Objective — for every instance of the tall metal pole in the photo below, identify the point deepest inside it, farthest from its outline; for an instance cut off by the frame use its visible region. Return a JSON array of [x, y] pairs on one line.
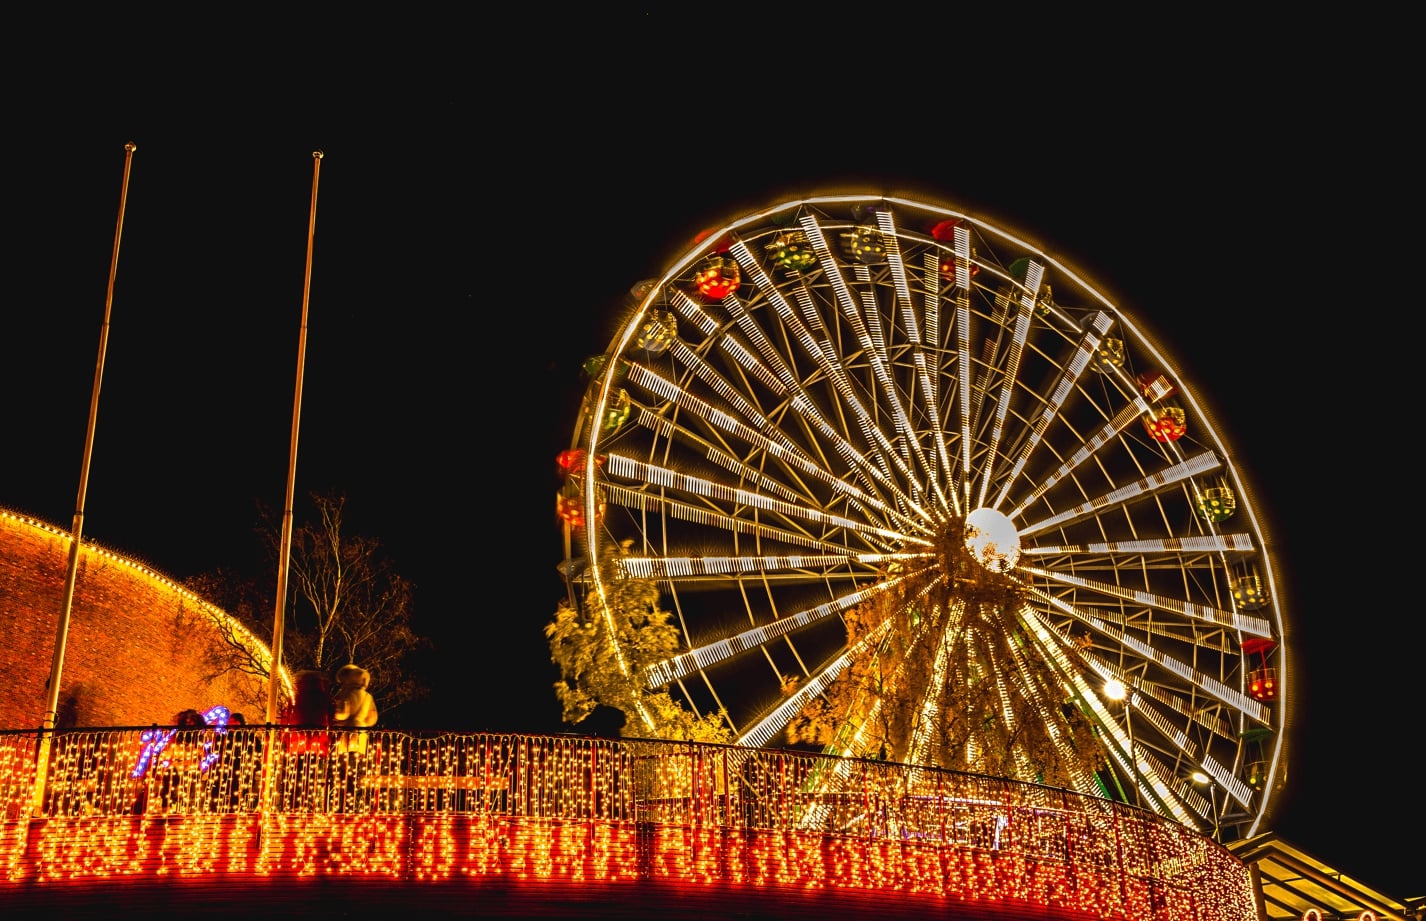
[[1133, 756], [61, 638], [284, 549]]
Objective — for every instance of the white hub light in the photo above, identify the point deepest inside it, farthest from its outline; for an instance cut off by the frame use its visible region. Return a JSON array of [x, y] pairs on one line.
[[992, 539]]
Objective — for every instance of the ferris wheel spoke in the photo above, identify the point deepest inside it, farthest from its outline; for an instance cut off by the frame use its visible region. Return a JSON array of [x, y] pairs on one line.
[[868, 326], [963, 394], [875, 471], [1105, 436], [925, 381], [1177, 473], [1008, 379], [1253, 626], [768, 439], [778, 718], [703, 515], [718, 383], [1145, 652], [1088, 345], [1152, 777], [722, 650], [625, 467], [830, 362], [873, 348], [1209, 718], [1204, 544], [928, 376], [935, 691], [878, 465], [1228, 780], [818, 567], [745, 472], [1160, 778], [766, 365], [1028, 680]]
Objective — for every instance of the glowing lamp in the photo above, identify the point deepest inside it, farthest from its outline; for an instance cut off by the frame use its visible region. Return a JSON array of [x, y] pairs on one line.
[[1109, 355], [1166, 423], [792, 251], [1216, 504], [718, 277], [1262, 684], [1258, 775], [659, 330], [866, 244], [1248, 591], [618, 410]]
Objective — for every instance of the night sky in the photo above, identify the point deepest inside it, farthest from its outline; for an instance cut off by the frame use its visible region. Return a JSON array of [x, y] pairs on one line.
[[473, 246]]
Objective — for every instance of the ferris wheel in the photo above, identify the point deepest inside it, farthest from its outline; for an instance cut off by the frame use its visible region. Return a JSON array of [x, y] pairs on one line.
[[911, 488]]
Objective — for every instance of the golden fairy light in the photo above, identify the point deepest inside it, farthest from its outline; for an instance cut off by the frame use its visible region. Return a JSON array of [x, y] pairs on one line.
[[542, 811]]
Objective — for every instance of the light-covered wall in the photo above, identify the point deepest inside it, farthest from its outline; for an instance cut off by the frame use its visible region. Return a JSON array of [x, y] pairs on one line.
[[140, 647]]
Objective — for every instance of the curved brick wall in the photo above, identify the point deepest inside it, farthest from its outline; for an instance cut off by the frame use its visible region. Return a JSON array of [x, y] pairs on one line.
[[139, 644]]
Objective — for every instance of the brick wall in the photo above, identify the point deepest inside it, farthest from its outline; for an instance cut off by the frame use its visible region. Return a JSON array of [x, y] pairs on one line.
[[139, 646]]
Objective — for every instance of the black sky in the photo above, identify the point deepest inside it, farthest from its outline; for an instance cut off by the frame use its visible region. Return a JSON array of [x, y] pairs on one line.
[[475, 242]]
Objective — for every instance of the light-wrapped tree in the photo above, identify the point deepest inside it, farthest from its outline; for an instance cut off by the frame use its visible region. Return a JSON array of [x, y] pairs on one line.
[[593, 674]]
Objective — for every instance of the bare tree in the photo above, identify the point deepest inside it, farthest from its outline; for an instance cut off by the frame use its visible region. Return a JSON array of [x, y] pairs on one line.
[[348, 604]]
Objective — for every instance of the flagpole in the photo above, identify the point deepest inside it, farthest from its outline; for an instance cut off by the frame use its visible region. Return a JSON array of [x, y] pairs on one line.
[[51, 714], [284, 550]]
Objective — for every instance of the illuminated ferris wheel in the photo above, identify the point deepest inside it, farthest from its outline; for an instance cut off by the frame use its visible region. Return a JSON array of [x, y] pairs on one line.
[[911, 488]]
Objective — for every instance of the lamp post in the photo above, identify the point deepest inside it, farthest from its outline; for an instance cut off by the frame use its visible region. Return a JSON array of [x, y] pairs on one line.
[[1203, 780], [51, 714], [1115, 690]]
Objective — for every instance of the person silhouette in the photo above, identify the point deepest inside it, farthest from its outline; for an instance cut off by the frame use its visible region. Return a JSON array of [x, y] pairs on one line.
[[353, 707], [353, 712], [307, 741]]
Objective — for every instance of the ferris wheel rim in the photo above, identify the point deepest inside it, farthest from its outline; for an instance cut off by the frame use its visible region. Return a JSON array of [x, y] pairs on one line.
[[590, 440]]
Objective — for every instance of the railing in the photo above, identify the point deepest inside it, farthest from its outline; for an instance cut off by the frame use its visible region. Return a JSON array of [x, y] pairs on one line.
[[281, 801]]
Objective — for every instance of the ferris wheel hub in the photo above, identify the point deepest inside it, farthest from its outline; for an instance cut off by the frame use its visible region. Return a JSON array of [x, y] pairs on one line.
[[992, 539]]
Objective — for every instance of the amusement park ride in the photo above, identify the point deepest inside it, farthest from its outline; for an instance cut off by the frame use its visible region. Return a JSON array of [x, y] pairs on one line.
[[886, 455], [963, 607]]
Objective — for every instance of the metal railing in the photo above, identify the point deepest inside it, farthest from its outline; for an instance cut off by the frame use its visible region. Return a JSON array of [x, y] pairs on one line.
[[760, 801]]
